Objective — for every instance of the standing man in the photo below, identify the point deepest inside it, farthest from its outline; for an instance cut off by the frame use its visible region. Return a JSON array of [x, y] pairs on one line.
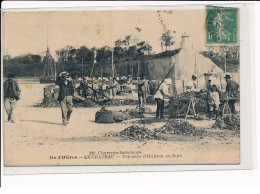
[[11, 95], [114, 87], [232, 88], [146, 88], [141, 93], [84, 87], [65, 96], [160, 95]]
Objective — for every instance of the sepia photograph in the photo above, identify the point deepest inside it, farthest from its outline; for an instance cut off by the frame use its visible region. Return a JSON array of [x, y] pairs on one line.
[[121, 87]]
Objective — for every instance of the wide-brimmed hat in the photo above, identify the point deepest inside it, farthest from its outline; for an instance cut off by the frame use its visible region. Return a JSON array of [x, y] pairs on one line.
[[194, 76], [228, 76], [105, 79], [214, 81], [64, 73]]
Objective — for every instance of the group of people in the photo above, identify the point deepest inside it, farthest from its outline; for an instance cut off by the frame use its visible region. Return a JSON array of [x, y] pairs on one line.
[[67, 89], [119, 85], [213, 94], [213, 90], [107, 86]]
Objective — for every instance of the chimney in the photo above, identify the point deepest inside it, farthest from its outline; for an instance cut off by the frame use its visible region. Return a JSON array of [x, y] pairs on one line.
[[185, 42]]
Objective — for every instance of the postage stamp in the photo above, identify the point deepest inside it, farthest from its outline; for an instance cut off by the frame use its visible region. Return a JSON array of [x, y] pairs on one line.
[[222, 25]]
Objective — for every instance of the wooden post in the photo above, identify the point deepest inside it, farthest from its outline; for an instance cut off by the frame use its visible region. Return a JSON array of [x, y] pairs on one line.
[[196, 69], [92, 70], [113, 69], [132, 69], [225, 64], [55, 71], [138, 70], [102, 71], [82, 67]]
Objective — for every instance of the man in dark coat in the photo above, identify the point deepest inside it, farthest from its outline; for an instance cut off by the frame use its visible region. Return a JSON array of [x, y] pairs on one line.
[[84, 88], [11, 95], [66, 94], [146, 88], [232, 88], [141, 93]]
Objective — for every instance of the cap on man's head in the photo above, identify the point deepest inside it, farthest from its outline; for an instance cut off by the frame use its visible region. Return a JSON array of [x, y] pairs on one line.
[[10, 75], [64, 73], [105, 79], [228, 76], [194, 77], [210, 78]]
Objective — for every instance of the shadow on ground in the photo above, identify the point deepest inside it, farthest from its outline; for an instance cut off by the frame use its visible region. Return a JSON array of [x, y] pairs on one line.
[[43, 122]]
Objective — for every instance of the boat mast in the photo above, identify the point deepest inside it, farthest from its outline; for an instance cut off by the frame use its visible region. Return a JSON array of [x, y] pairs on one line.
[[55, 70], [112, 63], [82, 67]]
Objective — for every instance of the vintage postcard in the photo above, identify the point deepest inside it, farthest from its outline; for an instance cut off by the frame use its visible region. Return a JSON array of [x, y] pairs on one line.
[[121, 87]]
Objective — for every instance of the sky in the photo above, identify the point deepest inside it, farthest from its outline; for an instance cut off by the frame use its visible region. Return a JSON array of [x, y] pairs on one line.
[[27, 31]]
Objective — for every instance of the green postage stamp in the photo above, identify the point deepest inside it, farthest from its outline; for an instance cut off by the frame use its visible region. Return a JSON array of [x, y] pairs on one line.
[[222, 25]]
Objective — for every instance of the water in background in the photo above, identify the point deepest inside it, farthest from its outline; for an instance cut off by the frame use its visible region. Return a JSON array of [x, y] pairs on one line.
[[28, 80]]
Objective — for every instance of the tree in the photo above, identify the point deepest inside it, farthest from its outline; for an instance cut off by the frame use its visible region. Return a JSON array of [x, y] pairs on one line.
[[130, 48], [118, 53], [167, 39], [132, 51], [84, 53], [7, 57], [118, 43], [23, 65], [144, 48], [224, 56], [127, 40], [104, 53], [66, 58]]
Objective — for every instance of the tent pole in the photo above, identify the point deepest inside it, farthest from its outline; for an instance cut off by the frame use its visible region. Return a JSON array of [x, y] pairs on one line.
[[196, 68], [225, 65]]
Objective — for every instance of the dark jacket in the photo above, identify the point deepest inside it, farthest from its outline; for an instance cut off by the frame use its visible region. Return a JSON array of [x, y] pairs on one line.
[[65, 90], [14, 86], [232, 87], [84, 89]]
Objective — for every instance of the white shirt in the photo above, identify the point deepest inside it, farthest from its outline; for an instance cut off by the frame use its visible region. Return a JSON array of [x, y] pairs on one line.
[[164, 88]]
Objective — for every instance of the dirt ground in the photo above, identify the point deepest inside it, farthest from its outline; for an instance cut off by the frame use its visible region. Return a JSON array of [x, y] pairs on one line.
[[39, 138]]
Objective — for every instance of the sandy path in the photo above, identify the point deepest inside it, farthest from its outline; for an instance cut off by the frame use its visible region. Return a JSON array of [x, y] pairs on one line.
[[39, 134]]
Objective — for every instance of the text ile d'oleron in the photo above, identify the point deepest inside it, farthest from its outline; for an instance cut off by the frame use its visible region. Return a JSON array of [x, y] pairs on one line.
[[93, 155]]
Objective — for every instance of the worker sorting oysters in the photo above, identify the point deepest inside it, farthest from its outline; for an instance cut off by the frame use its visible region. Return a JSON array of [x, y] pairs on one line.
[[160, 96], [213, 96]]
